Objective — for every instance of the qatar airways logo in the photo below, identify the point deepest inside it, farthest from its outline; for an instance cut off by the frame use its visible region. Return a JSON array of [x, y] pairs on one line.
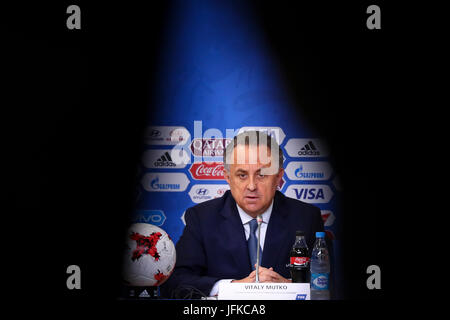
[[209, 147], [207, 171]]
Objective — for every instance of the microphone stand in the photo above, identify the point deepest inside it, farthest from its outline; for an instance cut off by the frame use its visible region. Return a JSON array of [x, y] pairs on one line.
[[258, 249]]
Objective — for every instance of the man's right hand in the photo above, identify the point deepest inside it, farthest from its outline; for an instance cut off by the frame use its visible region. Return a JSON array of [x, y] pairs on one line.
[[265, 275], [250, 278]]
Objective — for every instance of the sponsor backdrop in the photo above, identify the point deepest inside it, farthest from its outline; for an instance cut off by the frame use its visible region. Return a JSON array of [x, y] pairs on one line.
[[218, 78]]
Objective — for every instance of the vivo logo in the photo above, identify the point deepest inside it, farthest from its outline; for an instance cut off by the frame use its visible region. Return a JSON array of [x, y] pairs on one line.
[[155, 217]]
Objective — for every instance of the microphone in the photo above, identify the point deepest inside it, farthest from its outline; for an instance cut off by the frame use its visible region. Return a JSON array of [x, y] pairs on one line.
[[258, 249]]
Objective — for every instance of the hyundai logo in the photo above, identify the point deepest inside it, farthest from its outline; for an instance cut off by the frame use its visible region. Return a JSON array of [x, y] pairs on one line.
[[155, 133], [202, 191]]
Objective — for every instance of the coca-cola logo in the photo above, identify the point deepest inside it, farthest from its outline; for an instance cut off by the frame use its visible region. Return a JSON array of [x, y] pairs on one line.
[[209, 147], [299, 261], [207, 170]]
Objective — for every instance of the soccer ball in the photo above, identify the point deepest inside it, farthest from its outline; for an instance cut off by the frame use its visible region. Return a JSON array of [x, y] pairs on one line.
[[149, 255]]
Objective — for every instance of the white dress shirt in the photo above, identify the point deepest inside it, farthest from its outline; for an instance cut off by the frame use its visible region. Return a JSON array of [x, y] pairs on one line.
[[245, 218]]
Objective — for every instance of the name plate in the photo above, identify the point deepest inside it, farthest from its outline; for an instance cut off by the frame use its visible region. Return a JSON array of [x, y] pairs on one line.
[[264, 291]]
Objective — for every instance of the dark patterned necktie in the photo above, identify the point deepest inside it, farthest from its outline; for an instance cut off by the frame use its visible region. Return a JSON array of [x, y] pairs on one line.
[[253, 243]]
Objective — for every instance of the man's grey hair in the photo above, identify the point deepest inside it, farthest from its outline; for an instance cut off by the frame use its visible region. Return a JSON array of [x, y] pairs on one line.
[[254, 138]]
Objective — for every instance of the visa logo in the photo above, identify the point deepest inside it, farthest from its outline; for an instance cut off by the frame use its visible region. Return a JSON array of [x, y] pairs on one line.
[[310, 193]]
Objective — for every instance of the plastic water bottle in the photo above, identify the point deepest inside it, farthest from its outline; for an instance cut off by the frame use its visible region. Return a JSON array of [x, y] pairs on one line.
[[320, 269]]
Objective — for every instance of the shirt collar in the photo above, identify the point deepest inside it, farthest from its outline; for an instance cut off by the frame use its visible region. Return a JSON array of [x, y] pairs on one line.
[[245, 218]]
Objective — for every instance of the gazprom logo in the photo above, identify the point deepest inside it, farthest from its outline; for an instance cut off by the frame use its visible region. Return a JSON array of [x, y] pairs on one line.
[[168, 182], [155, 217], [308, 175], [308, 170], [154, 184]]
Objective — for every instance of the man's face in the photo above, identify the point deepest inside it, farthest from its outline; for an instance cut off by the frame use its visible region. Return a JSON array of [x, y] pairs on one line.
[[252, 187]]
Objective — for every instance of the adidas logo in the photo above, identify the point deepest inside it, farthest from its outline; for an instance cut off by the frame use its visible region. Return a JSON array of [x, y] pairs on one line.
[[144, 294], [309, 150], [164, 161]]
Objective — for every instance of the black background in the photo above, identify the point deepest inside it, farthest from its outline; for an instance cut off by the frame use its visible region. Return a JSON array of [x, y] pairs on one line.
[[76, 104]]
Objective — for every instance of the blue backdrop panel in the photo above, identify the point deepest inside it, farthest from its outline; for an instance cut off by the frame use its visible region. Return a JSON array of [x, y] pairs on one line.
[[217, 71]]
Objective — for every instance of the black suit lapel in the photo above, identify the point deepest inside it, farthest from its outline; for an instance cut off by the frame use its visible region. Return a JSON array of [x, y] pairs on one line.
[[234, 234], [276, 238]]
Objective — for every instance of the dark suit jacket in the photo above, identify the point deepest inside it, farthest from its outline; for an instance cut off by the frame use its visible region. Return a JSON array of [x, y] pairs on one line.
[[213, 244]]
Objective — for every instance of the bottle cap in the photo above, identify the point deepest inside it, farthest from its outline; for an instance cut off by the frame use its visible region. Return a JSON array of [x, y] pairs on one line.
[[299, 233], [320, 234]]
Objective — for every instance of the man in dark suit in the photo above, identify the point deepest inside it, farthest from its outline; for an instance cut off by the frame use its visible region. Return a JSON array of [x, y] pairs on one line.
[[219, 241]]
